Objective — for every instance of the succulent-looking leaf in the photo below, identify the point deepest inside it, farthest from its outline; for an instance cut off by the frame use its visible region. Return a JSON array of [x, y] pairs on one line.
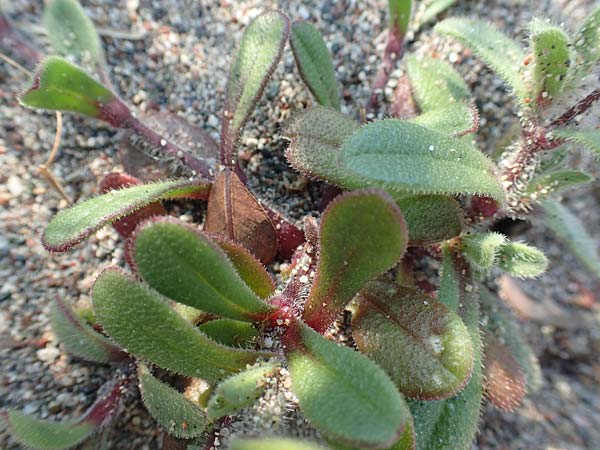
[[569, 229], [551, 56], [253, 64], [432, 8], [362, 235], [421, 344], [399, 15], [406, 441], [457, 120], [183, 264], [522, 260], [59, 85], [497, 50], [140, 321], [248, 267], [272, 444], [330, 383], [404, 157], [504, 379], [239, 391], [78, 338], [71, 32], [587, 41], [452, 423], [73, 225], [435, 84], [232, 333], [558, 181], [482, 250], [589, 139], [234, 213], [314, 63], [499, 322], [50, 435], [431, 218], [179, 416]]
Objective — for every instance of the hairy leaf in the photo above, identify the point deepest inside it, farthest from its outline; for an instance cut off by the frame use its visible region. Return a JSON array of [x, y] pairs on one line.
[[404, 157], [78, 338], [272, 444], [140, 321], [569, 229], [52, 435], [432, 8], [314, 63], [399, 15], [73, 225], [183, 264], [233, 333], [422, 345], [71, 32], [239, 391], [522, 260], [253, 64], [234, 213], [558, 181], [587, 41], [179, 416], [552, 58], [59, 85], [406, 441], [498, 51], [589, 138], [482, 250], [330, 383], [457, 120], [435, 84], [362, 235]]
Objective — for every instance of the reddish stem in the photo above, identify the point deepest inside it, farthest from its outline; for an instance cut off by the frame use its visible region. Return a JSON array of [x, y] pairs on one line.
[[579, 108]]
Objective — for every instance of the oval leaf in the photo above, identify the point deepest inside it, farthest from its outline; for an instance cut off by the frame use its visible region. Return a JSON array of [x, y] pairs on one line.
[[73, 225], [422, 345], [558, 181], [400, 156], [314, 63], [179, 416], [184, 265], [457, 120], [329, 382], [362, 235], [140, 321]]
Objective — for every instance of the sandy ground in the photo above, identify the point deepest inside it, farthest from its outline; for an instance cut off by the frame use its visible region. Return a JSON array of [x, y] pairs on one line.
[[179, 65]]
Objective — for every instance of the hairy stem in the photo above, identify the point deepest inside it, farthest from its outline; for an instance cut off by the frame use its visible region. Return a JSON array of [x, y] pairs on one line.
[[579, 108]]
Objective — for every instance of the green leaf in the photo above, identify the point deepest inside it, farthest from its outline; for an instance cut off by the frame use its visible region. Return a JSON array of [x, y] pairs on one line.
[[362, 235], [457, 120], [399, 15], [522, 260], [343, 394], [482, 250], [59, 85], [179, 416], [431, 218], [422, 345], [432, 8], [272, 444], [400, 156], [253, 64], [589, 139], [552, 160], [497, 50], [502, 324], [183, 264], [73, 225], [78, 338], [232, 333], [248, 267], [558, 181], [551, 56], [315, 64], [406, 441], [435, 84], [569, 229], [71, 32], [587, 41], [140, 321], [239, 391], [452, 423]]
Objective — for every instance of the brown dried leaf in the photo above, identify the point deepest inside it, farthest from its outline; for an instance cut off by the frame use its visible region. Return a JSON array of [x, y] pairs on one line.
[[233, 212]]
